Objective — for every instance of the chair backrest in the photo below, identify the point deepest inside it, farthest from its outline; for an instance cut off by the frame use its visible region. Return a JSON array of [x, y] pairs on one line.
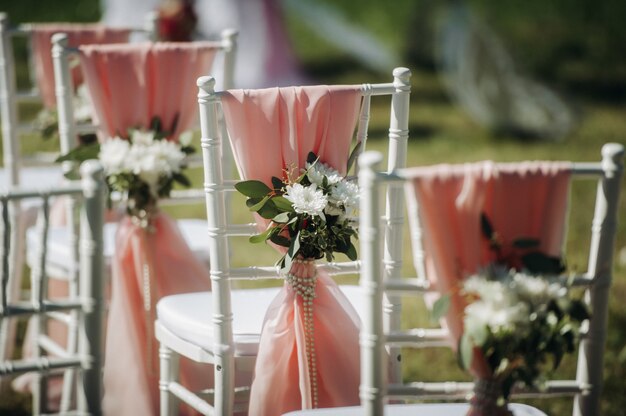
[[214, 132], [596, 280], [40, 71], [162, 66], [49, 356]]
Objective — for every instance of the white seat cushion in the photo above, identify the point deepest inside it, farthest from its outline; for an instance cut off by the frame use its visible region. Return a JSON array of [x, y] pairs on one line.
[[34, 177], [194, 232], [430, 409], [188, 316]]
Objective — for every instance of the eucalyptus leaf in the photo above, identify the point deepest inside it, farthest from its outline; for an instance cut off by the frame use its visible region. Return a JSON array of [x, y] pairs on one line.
[[525, 242], [256, 207], [283, 204], [294, 247], [280, 240], [485, 226], [181, 179], [283, 217], [253, 188], [259, 238], [351, 252], [440, 308], [353, 155], [539, 263], [277, 183], [81, 153], [466, 351]]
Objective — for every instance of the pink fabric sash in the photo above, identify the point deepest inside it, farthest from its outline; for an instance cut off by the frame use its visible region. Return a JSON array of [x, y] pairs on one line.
[[521, 200], [131, 367], [271, 130], [132, 83], [78, 34]]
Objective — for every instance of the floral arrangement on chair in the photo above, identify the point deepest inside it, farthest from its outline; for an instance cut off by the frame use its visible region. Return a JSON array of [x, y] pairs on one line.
[[47, 120], [312, 214], [522, 317], [142, 167]]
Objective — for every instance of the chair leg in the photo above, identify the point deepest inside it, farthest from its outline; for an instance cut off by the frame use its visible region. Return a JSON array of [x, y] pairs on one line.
[[169, 361]]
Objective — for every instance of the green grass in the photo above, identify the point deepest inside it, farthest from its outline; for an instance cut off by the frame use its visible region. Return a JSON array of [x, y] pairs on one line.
[[441, 132]]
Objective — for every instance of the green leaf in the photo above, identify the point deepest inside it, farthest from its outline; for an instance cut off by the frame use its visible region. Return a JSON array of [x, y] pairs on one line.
[[353, 155], [283, 204], [578, 311], [466, 351], [538, 263], [280, 240], [351, 252], [259, 238], [485, 226], [81, 153], [526, 243], [283, 217], [268, 211], [277, 183], [181, 179], [294, 247], [440, 308], [253, 188], [311, 158], [256, 207]]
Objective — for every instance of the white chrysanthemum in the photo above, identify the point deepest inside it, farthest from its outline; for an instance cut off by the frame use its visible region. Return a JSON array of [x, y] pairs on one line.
[[345, 193], [307, 199], [537, 290], [142, 138], [185, 138], [169, 152], [113, 155], [317, 171]]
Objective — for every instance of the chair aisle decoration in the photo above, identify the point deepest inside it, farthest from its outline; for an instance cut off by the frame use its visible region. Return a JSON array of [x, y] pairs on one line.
[[495, 212], [33, 169], [134, 88], [274, 133]]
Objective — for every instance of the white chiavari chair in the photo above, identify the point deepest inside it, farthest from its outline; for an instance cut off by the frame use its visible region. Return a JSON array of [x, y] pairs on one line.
[[18, 167], [376, 391], [50, 357], [223, 327]]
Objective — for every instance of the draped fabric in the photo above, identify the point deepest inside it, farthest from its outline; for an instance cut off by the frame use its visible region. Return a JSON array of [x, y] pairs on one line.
[[148, 264], [526, 199], [77, 34], [272, 130], [132, 83]]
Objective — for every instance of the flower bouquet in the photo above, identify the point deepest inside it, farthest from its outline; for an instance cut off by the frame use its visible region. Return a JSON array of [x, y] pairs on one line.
[[312, 213], [522, 318], [141, 168], [47, 120]]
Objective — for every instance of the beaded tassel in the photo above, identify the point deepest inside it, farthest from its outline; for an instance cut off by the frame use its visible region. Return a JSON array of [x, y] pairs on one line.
[[305, 287]]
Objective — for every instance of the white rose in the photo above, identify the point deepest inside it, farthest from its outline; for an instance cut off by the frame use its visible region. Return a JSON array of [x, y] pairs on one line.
[[113, 155]]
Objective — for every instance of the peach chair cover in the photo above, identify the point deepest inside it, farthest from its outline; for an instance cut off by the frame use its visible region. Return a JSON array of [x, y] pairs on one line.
[[271, 130], [130, 84], [78, 34], [521, 200], [147, 266]]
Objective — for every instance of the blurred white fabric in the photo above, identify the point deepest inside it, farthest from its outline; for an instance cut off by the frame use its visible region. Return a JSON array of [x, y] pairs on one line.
[[264, 56]]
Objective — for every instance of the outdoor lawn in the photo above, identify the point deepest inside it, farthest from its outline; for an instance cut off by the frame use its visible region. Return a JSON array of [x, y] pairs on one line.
[[575, 47]]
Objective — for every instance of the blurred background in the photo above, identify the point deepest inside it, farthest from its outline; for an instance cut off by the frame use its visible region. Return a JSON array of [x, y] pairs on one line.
[[491, 80]]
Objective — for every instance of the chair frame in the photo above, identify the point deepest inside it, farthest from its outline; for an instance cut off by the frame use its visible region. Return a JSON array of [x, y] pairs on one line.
[[217, 189], [89, 302], [13, 160], [597, 280]]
